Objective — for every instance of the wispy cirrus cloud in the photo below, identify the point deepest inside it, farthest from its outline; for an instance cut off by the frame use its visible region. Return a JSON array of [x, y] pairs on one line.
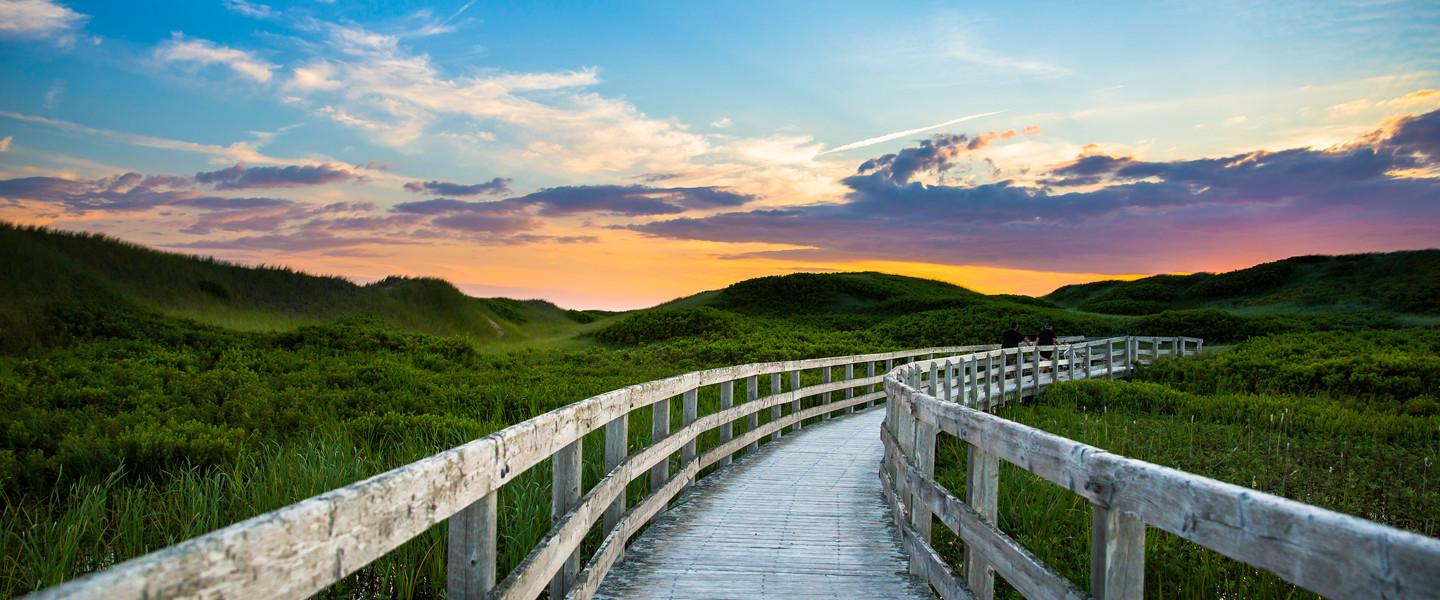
[[180, 49], [880, 139], [1132, 215]]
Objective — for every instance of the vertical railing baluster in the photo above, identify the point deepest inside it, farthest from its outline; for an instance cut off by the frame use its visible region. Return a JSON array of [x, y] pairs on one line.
[[1035, 372], [989, 379], [727, 431], [850, 391], [752, 393], [689, 410], [1117, 555], [924, 454], [564, 495], [982, 492], [775, 384], [617, 447], [946, 386], [825, 374], [1019, 373], [795, 404], [659, 428], [470, 557], [870, 374], [1109, 359]]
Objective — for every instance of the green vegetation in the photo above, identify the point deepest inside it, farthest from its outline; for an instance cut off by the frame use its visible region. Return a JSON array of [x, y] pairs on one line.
[[152, 397], [1402, 282]]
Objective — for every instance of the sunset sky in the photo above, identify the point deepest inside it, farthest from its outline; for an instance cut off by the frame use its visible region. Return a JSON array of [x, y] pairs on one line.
[[619, 156]]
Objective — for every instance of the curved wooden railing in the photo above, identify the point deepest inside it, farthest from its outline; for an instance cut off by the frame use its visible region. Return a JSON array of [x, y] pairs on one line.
[[301, 549], [1316, 549]]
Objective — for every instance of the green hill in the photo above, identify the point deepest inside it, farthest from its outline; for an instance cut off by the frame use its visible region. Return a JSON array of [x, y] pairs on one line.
[[45, 271], [1401, 282]]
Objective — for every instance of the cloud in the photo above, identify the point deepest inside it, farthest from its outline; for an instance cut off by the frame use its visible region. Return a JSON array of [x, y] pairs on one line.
[[125, 192], [39, 19], [498, 185], [257, 11], [1143, 217], [5, 143], [721, 123], [205, 52], [315, 77], [932, 155], [629, 200], [241, 177]]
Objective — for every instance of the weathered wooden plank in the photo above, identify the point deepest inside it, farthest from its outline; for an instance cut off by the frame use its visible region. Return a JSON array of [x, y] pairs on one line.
[[1323, 551], [825, 375], [1006, 556], [727, 431], [795, 404], [659, 428], [850, 377], [982, 475], [614, 545], [752, 393], [470, 554], [924, 456], [924, 561], [617, 447], [564, 496], [689, 407], [1117, 555], [775, 411]]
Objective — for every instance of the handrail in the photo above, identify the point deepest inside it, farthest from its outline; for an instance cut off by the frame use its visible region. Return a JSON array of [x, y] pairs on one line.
[[298, 550], [1319, 550]]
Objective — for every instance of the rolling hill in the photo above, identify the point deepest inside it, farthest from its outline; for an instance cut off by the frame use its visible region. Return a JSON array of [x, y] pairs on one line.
[[46, 270], [1401, 282]]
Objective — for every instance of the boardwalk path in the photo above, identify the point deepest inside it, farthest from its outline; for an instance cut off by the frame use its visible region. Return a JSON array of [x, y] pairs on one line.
[[801, 518]]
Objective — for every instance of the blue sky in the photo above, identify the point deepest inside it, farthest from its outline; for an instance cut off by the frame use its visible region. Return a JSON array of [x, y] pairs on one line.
[[641, 119]]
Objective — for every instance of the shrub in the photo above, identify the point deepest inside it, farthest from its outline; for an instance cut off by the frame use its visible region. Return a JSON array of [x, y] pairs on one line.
[[667, 324]]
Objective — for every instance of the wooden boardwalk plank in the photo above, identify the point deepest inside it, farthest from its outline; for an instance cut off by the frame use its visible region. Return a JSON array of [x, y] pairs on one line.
[[802, 518]]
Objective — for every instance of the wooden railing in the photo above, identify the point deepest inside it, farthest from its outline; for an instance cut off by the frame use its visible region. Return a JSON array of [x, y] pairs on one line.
[[301, 549], [1316, 549]]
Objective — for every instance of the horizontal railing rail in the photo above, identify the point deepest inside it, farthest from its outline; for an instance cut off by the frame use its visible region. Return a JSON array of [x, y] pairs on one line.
[[303, 548], [1316, 549]]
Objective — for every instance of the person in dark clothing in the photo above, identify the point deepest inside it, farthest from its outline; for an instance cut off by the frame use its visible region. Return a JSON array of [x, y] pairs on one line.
[[1012, 336], [1046, 338]]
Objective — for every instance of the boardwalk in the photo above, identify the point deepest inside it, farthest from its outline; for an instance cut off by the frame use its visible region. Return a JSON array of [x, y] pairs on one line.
[[802, 518]]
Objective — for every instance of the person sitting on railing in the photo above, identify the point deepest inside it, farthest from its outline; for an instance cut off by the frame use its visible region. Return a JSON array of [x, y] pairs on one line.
[[1047, 337]]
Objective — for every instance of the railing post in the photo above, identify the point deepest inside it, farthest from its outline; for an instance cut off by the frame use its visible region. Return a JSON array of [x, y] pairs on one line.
[[1089, 346], [617, 439], [1019, 373], [752, 393], [982, 491], [727, 431], [1109, 358], [967, 375], [870, 374], [946, 386], [1035, 367], [689, 410], [1073, 355], [564, 495], [989, 379], [659, 428], [850, 391], [775, 384], [795, 405], [934, 385], [825, 397], [1117, 555], [924, 453], [470, 557], [1132, 348]]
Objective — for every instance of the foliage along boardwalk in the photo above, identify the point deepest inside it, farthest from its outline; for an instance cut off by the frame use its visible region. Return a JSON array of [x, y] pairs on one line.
[[802, 518]]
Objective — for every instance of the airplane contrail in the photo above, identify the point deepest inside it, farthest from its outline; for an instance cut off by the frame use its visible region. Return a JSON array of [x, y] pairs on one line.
[[899, 134]]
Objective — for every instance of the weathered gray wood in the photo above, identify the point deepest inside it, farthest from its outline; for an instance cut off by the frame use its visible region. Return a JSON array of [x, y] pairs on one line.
[[617, 447], [1117, 555], [850, 376], [1007, 557], [564, 495], [804, 517], [1323, 551], [947, 388], [775, 411], [924, 456], [795, 404], [870, 374], [825, 375], [982, 485], [752, 393], [727, 431], [588, 582], [689, 407], [659, 428], [924, 561], [470, 555]]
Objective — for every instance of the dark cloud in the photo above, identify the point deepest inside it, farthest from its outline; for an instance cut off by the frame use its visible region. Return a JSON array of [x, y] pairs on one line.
[[629, 200], [1144, 217], [240, 177], [931, 155], [290, 242], [498, 185], [125, 192]]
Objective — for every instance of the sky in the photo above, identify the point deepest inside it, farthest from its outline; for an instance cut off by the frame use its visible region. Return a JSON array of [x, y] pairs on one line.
[[618, 156]]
